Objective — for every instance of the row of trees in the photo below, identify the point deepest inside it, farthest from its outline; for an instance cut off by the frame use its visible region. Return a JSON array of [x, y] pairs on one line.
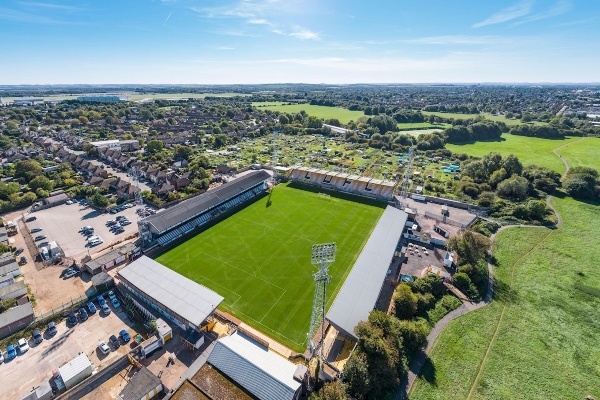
[[582, 183]]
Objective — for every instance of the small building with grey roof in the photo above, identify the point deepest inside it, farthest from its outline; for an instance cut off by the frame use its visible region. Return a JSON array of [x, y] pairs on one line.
[[13, 290], [15, 319], [361, 289], [143, 385], [177, 298]]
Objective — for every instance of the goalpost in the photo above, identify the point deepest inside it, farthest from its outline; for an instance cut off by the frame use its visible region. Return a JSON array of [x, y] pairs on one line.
[[324, 196]]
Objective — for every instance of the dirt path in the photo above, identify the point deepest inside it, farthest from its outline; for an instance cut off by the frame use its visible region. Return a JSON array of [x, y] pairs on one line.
[[415, 367]]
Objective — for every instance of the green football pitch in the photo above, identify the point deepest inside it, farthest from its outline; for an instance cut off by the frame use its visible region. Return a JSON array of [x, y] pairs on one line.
[[259, 259]]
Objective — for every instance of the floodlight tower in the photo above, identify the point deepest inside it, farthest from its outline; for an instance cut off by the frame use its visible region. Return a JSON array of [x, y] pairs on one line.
[[406, 182], [144, 233], [275, 156], [322, 255]]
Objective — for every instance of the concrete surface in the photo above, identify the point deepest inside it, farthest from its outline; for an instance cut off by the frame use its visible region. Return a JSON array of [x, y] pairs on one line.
[[62, 223], [35, 366]]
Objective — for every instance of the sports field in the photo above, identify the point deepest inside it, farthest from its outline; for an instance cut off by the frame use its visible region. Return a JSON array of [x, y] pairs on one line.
[[259, 258], [530, 150], [325, 112]]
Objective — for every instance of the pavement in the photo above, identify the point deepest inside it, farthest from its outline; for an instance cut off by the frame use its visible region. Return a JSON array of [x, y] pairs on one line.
[[62, 224], [35, 366]]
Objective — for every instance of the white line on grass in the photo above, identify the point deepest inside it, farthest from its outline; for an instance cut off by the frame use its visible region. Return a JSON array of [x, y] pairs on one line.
[[277, 301]]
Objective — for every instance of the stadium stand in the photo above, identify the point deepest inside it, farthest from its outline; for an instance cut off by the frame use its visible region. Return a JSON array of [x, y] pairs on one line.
[[340, 181], [188, 215], [360, 291]]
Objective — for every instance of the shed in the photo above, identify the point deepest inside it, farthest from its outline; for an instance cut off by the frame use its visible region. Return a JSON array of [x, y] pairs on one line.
[[15, 319], [76, 370], [6, 258], [262, 372], [42, 392], [13, 291], [192, 339], [102, 281], [143, 385], [10, 270], [165, 333]]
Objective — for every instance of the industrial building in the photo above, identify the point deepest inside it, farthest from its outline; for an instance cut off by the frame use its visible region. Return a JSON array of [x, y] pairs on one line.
[[181, 219], [13, 290], [143, 385], [15, 319], [76, 370], [111, 259], [361, 289], [262, 372], [178, 299]]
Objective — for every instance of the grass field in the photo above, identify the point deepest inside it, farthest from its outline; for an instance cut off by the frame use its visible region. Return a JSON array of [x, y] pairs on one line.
[[342, 114], [529, 150], [136, 97], [420, 125], [259, 258], [500, 118], [584, 153], [545, 345]]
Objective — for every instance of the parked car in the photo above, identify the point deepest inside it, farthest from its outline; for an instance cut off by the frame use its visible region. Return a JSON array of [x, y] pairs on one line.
[[125, 222], [112, 295], [101, 300], [19, 251], [69, 202], [95, 242], [51, 328], [104, 348], [32, 218], [91, 307], [22, 260], [86, 228], [92, 238], [40, 237], [119, 230], [72, 319], [70, 273], [43, 244], [83, 202], [74, 200], [37, 337], [114, 341], [83, 315], [116, 303], [106, 309], [23, 346], [125, 336], [11, 351], [111, 222], [35, 230], [1, 357]]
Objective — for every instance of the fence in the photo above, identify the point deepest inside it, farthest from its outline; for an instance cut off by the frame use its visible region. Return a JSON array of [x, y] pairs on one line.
[[445, 220], [65, 306]]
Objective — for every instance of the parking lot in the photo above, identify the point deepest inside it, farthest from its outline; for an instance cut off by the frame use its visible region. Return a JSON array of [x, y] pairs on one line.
[[34, 367], [62, 224]]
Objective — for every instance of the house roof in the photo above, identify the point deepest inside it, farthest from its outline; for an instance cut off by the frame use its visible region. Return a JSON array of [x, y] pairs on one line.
[[357, 297], [185, 297], [15, 314], [98, 262], [8, 268], [74, 367], [263, 373], [140, 385], [187, 209], [6, 290]]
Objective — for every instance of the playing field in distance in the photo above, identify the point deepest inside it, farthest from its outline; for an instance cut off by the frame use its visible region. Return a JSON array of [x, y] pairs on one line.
[[259, 258]]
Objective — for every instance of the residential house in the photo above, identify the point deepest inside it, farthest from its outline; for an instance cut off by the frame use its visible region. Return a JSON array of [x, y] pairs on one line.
[[162, 189]]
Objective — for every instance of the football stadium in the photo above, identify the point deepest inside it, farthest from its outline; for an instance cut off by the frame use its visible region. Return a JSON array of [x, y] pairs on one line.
[[259, 259]]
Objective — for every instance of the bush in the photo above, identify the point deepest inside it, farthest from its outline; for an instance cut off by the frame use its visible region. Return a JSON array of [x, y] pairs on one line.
[[462, 281], [425, 302], [429, 284], [405, 302], [443, 307], [514, 188], [580, 187], [414, 335]]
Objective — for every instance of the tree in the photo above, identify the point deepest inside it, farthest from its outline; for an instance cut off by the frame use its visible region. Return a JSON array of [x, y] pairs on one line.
[[492, 162], [514, 188], [470, 246], [221, 140], [99, 201], [579, 187], [414, 335], [41, 182], [154, 146], [462, 281], [356, 374], [330, 391], [6, 189], [184, 152], [405, 302], [313, 122], [27, 169], [537, 209], [497, 177], [512, 165], [477, 171]]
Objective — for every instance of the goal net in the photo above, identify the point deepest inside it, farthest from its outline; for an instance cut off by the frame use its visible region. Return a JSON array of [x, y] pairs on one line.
[[324, 196]]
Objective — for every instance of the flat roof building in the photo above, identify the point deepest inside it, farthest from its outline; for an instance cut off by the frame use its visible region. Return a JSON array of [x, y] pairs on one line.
[[179, 299], [361, 289]]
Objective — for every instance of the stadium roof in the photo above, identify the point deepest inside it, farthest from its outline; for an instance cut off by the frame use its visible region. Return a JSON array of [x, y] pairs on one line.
[[188, 209], [263, 373], [347, 176], [188, 299], [357, 297]]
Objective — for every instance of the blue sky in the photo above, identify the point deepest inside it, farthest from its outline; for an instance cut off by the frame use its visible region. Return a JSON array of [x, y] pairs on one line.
[[311, 41]]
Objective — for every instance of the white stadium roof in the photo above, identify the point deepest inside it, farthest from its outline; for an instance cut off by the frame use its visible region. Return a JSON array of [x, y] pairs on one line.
[[263, 373], [358, 296], [183, 296]]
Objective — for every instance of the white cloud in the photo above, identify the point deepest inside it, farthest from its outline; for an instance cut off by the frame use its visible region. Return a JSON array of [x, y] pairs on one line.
[[507, 14], [34, 4], [459, 40], [560, 7], [304, 34]]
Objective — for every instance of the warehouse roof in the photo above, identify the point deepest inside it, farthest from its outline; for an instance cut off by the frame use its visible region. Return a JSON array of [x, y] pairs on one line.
[[9, 268], [15, 314], [188, 299], [6, 290], [140, 385], [190, 208], [265, 374], [357, 297], [74, 367], [6, 258]]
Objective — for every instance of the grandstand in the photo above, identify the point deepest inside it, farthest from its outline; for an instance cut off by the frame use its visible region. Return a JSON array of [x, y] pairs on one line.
[[343, 182], [183, 218]]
